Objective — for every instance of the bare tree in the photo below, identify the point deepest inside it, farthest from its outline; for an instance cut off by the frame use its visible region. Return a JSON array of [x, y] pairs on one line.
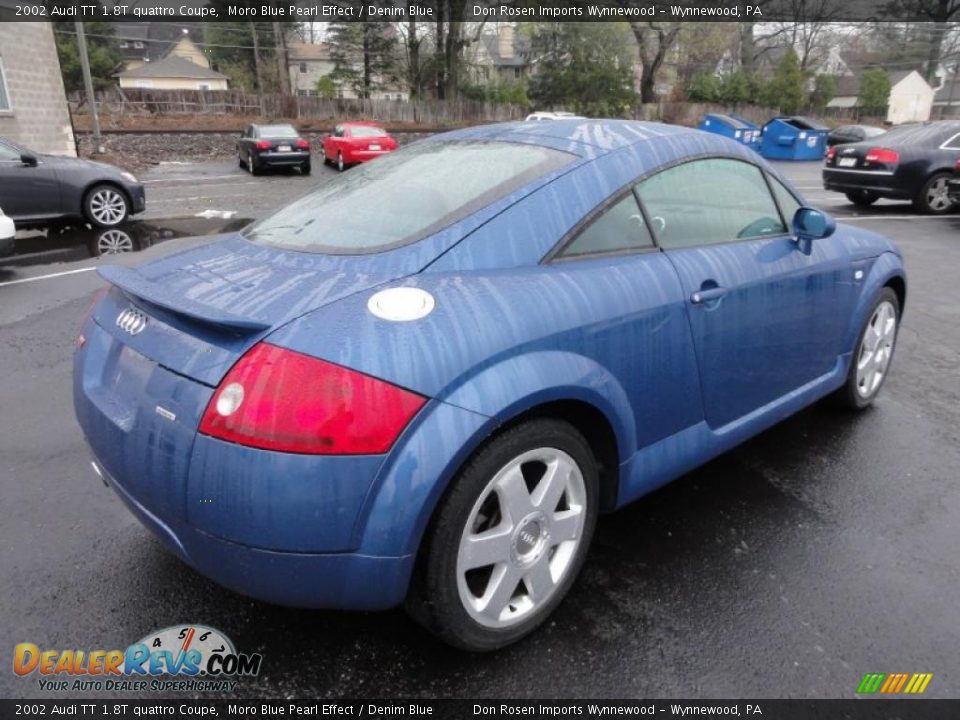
[[654, 40]]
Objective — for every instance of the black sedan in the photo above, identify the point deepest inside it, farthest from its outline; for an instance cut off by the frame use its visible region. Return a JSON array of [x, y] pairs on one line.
[[38, 190], [265, 146], [914, 162], [852, 133]]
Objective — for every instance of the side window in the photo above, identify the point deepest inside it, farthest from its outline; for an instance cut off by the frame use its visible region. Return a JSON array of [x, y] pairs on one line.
[[9, 154], [953, 143], [717, 200], [786, 199], [619, 227]]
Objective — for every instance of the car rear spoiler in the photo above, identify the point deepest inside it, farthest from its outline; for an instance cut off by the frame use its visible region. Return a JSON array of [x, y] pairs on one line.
[[135, 284]]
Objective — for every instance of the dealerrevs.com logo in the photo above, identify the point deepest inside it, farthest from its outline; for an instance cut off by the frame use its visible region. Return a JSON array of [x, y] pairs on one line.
[[190, 658]]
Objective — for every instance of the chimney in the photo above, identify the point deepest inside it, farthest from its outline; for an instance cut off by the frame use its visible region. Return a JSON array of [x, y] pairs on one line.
[[505, 42]]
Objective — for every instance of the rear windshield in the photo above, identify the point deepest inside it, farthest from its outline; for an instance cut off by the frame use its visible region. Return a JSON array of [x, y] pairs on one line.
[[366, 131], [928, 134], [278, 131], [404, 196]]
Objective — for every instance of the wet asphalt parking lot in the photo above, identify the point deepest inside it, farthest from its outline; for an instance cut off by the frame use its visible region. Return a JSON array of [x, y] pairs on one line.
[[819, 551]]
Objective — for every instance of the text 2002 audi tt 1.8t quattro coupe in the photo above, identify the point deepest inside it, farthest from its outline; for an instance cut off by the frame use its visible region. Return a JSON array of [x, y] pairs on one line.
[[423, 381]]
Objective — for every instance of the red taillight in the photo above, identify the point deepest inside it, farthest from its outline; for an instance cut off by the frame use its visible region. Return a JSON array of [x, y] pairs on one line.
[[264, 144], [303, 144], [278, 399], [956, 165], [882, 155], [831, 152]]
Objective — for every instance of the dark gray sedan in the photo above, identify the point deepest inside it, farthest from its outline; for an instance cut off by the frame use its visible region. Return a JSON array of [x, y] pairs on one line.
[[38, 190], [265, 146]]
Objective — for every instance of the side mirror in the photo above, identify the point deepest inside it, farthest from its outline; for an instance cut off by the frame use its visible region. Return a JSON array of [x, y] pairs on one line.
[[811, 224], [28, 160]]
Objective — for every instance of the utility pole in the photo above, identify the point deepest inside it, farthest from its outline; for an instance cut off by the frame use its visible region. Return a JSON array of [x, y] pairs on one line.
[[256, 64], [281, 49], [88, 86]]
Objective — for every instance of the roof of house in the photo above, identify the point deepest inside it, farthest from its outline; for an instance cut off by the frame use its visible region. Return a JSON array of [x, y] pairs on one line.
[[949, 92], [849, 85], [172, 67], [157, 38], [298, 52]]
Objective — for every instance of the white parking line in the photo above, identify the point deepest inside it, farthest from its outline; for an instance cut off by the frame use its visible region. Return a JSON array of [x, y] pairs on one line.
[[46, 277], [189, 178]]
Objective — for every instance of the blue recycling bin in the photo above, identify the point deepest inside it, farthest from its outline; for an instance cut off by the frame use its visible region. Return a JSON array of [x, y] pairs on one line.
[[732, 126], [793, 138]]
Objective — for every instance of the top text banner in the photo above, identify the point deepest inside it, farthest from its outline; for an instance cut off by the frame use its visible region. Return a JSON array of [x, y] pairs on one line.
[[474, 10]]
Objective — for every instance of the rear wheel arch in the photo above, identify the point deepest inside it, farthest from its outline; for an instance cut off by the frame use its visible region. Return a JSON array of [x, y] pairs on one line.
[[585, 417], [596, 428]]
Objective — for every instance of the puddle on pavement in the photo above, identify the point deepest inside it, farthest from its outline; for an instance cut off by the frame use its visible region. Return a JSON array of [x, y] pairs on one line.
[[70, 244]]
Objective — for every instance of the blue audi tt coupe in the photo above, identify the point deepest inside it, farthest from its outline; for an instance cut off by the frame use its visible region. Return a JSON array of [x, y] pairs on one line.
[[421, 383]]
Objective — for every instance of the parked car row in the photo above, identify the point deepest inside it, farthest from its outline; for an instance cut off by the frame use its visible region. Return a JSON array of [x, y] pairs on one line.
[[281, 146], [913, 162]]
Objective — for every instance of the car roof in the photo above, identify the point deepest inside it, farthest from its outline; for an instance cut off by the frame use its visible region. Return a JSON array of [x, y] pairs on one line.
[[582, 137]]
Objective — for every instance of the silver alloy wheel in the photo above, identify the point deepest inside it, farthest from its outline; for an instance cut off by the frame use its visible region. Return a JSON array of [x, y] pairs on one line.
[[521, 537], [876, 349], [108, 206], [938, 197], [340, 165], [113, 242]]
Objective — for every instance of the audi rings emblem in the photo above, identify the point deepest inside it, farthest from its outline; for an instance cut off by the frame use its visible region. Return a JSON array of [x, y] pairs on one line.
[[132, 321]]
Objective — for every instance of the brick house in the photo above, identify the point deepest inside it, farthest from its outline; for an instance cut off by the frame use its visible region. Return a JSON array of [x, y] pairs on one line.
[[33, 104]]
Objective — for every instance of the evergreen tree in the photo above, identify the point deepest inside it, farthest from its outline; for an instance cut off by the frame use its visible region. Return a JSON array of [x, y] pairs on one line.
[[735, 88], [363, 55], [704, 87], [586, 67], [824, 90], [786, 89], [103, 50], [874, 92]]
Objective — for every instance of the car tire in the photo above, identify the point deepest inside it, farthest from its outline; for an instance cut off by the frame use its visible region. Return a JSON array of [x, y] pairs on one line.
[[870, 362], [862, 198], [341, 165], [106, 205], [305, 169], [240, 161], [531, 568], [933, 198], [252, 165]]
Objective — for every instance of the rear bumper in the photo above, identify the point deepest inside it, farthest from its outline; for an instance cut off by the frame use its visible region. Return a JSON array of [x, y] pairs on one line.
[[312, 580], [283, 159], [277, 526], [881, 183], [359, 156]]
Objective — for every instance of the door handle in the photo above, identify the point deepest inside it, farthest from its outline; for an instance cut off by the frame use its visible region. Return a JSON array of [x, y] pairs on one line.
[[708, 294]]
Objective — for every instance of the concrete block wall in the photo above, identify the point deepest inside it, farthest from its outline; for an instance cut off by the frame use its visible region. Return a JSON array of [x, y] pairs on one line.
[[38, 117]]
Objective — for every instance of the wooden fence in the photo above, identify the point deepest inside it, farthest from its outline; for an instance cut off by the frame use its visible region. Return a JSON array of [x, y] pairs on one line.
[[228, 102]]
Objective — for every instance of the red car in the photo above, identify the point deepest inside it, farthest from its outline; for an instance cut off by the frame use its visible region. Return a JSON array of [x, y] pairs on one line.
[[356, 142]]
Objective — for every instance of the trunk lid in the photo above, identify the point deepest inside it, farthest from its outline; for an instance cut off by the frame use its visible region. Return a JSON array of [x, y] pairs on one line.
[[196, 312]]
